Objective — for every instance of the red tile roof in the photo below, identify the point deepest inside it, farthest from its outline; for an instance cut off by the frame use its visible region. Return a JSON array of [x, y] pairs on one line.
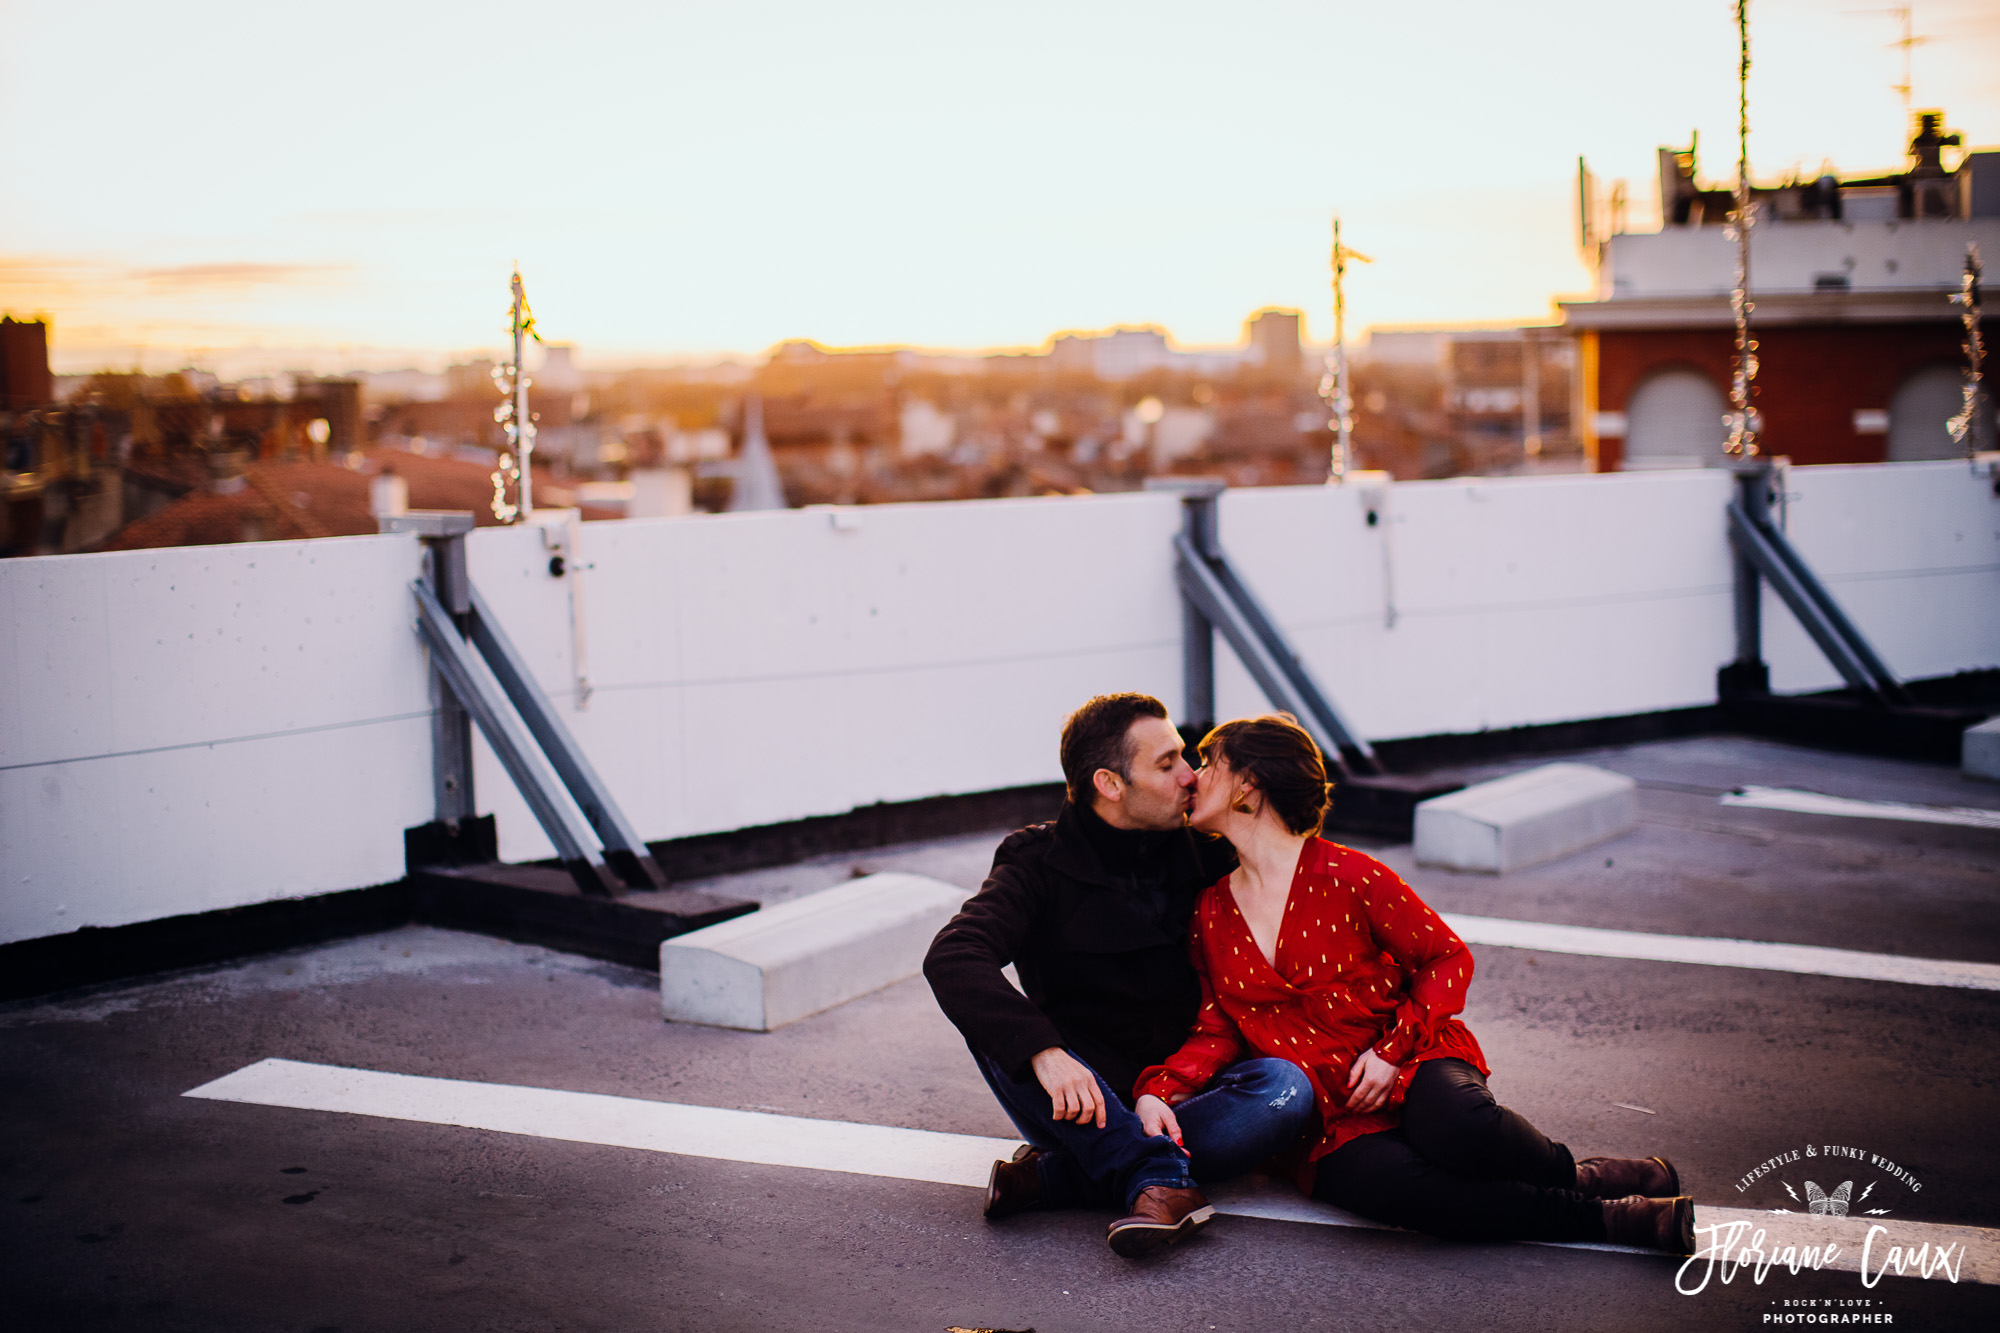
[[287, 501]]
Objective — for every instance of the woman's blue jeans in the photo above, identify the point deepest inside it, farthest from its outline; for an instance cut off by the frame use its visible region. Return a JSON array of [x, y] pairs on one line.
[[1246, 1113]]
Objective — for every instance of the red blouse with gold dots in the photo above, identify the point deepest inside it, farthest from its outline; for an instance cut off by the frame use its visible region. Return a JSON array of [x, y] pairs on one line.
[[1360, 961]]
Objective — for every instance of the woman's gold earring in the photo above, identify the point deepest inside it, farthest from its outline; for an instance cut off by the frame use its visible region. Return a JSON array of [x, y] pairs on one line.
[[1241, 806]]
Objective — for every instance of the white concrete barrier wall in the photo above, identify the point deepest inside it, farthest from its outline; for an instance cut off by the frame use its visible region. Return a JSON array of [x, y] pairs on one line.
[[1529, 600], [1515, 601], [205, 727], [754, 668], [1912, 551]]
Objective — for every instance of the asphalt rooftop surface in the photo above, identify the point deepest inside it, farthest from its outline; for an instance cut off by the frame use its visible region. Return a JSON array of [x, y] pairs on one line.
[[124, 1205]]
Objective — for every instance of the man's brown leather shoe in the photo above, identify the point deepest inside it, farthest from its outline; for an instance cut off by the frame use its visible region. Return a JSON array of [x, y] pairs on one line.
[[1653, 1224], [1015, 1185], [1617, 1177], [1161, 1215]]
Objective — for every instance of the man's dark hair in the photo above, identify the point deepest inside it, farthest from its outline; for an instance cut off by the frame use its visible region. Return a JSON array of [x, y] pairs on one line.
[[1275, 752], [1095, 737]]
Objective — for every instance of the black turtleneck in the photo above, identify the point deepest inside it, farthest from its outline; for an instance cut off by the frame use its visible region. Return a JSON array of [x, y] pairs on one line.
[[1095, 920], [1138, 860]]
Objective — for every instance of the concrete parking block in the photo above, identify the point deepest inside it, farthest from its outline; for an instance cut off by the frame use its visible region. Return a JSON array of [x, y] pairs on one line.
[[778, 965], [1525, 819], [1980, 757]]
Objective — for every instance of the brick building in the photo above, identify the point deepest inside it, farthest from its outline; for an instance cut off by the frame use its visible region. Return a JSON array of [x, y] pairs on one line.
[[25, 381]]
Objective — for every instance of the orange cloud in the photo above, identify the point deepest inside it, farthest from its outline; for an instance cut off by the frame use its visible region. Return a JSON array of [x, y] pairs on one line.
[[182, 276]]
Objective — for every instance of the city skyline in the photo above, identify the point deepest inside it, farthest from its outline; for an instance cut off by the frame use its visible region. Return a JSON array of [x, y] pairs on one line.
[[692, 185]]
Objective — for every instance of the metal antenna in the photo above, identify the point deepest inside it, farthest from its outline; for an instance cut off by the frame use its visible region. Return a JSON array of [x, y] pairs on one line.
[[1743, 382], [1334, 387], [1908, 41]]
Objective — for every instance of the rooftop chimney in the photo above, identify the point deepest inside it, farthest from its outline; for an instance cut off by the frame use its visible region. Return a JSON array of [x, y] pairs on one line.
[[1927, 145]]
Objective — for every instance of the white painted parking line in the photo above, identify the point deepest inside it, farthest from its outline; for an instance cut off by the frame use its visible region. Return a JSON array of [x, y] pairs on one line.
[[621, 1122], [1762, 955], [918, 1154], [1813, 803]]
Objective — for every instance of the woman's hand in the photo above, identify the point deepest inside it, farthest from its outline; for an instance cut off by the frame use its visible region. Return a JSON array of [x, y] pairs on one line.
[[1369, 1082], [1156, 1117]]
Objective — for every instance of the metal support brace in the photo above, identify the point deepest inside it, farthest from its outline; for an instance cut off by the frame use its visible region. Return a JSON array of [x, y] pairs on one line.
[[1214, 597], [1762, 552], [1302, 683], [455, 662], [624, 851], [443, 535], [1749, 669], [1197, 630]]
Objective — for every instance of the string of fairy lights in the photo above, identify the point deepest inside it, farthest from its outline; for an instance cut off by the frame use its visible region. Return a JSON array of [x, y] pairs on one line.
[[1744, 428], [514, 417], [1964, 427], [1743, 441]]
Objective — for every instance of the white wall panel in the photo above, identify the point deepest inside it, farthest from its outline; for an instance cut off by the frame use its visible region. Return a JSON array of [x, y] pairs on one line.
[[1912, 551], [205, 727], [755, 668], [1518, 601]]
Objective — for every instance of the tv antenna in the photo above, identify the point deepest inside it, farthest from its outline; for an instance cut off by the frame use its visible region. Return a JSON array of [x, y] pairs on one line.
[[1908, 42], [1336, 387]]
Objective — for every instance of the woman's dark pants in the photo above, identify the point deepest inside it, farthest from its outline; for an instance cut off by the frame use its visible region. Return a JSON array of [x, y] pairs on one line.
[[1461, 1166]]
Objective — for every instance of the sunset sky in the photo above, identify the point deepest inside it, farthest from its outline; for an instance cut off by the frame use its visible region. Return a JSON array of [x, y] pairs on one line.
[[253, 186]]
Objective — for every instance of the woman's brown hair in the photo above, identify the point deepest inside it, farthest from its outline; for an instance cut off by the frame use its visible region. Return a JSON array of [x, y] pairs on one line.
[[1275, 752]]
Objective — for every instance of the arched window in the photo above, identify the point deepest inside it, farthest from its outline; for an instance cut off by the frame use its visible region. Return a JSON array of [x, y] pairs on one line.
[[1675, 419], [1922, 404]]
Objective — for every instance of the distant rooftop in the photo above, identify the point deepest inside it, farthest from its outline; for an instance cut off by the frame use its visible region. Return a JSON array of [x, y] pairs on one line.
[[1830, 247]]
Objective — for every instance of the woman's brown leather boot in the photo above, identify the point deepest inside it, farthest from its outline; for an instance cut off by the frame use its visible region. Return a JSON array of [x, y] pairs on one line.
[[1652, 1224], [1617, 1177]]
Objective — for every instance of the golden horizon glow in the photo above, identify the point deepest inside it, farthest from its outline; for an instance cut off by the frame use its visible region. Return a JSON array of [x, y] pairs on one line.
[[687, 183]]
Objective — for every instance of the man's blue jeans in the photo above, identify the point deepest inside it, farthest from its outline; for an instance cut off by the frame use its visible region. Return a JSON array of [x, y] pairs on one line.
[[1247, 1112]]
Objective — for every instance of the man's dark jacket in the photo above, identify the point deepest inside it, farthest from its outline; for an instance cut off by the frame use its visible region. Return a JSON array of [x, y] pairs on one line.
[[1095, 921]]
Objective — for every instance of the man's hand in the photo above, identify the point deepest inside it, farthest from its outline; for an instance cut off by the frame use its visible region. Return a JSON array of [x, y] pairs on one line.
[[1370, 1080], [1156, 1117], [1072, 1088]]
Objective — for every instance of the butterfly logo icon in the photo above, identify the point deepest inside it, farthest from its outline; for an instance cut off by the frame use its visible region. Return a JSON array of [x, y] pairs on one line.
[[1829, 1205]]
